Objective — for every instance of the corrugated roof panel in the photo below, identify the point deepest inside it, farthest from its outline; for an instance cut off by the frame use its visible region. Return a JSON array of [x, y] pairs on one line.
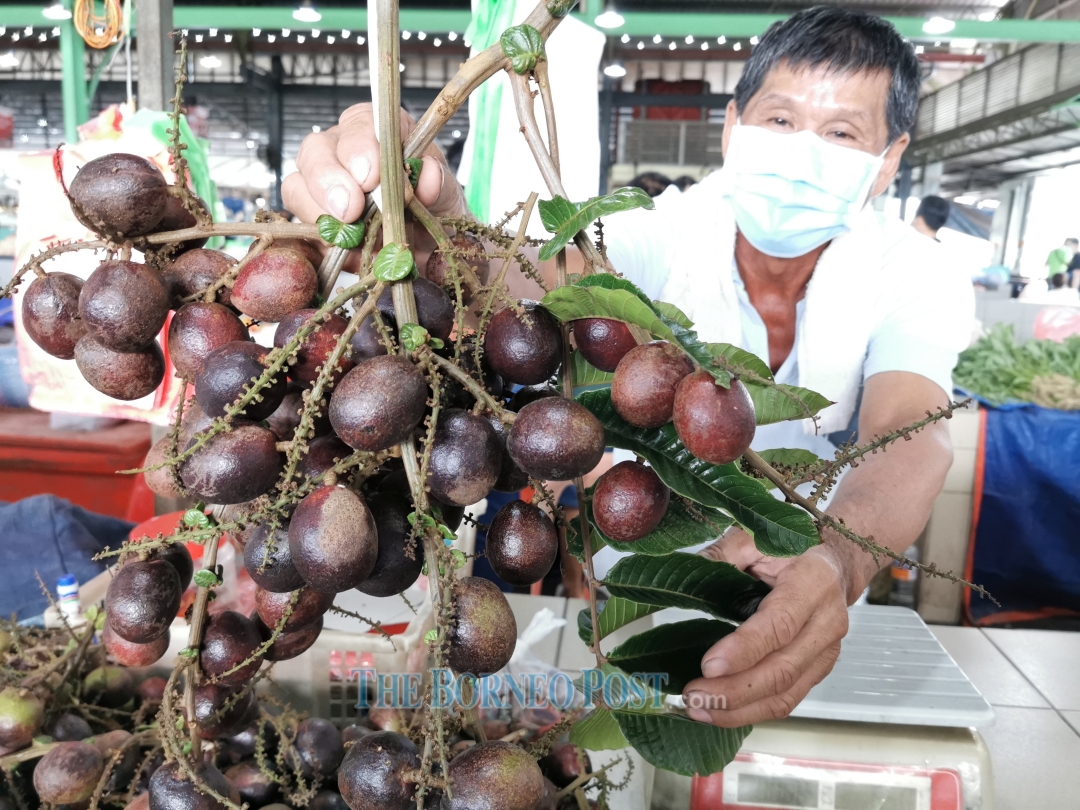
[[1038, 73], [1070, 66], [945, 113], [1004, 81], [972, 97]]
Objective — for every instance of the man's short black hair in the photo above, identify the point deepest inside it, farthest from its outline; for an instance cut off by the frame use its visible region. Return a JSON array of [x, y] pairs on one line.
[[934, 211], [845, 41], [1072, 241], [1057, 281]]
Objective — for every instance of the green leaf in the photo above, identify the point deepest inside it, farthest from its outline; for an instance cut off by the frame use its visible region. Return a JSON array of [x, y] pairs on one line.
[[413, 336], [612, 282], [185, 749], [684, 524], [676, 743], [587, 375], [340, 234], [91, 613], [99, 622], [781, 403], [189, 652], [565, 219], [196, 519], [412, 169], [574, 302], [673, 313], [394, 263], [431, 636], [785, 457], [459, 558], [779, 529], [205, 578], [614, 613], [598, 731], [436, 343], [523, 46], [560, 8], [676, 649], [687, 581]]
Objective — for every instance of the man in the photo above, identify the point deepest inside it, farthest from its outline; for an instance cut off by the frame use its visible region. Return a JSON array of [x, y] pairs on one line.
[[931, 216], [1060, 258], [779, 253]]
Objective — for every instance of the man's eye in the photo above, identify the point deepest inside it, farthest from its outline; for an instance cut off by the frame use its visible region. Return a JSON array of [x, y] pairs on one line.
[[842, 135], [781, 122]]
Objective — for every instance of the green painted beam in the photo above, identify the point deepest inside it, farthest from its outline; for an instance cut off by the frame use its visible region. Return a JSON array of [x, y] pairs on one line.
[[73, 79], [637, 24]]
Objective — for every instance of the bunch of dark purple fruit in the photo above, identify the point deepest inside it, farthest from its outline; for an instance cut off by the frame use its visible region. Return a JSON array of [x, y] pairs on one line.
[[653, 384]]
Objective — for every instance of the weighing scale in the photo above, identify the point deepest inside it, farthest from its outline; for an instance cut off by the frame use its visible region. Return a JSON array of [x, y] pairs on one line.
[[891, 728]]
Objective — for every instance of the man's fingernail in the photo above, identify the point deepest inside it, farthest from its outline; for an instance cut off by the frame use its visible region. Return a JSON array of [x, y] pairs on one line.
[[338, 200], [700, 715], [714, 667], [360, 168]]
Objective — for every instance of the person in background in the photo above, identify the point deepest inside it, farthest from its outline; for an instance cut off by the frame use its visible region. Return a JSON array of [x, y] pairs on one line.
[[931, 216], [684, 182], [1071, 270], [652, 183], [1060, 293], [1060, 259]]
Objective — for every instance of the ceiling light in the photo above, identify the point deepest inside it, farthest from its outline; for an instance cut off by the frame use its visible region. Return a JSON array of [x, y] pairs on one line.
[[610, 18], [213, 32], [452, 36], [198, 37], [210, 61], [360, 39], [251, 144], [689, 39], [316, 128], [919, 49], [56, 12], [456, 133], [256, 31], [15, 37], [41, 122], [737, 46], [345, 33], [938, 25], [401, 67], [406, 35], [286, 31], [966, 200], [721, 40], [436, 42], [9, 60], [641, 46], [657, 39], [989, 204], [315, 33], [306, 13], [615, 70], [988, 16], [42, 36], [271, 38], [330, 40], [301, 38], [28, 30], [421, 36], [671, 46], [3, 30], [753, 40], [624, 38], [56, 32], [466, 42], [228, 37], [704, 46]]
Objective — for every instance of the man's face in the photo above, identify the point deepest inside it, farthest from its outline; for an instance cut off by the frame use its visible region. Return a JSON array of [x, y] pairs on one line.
[[847, 109]]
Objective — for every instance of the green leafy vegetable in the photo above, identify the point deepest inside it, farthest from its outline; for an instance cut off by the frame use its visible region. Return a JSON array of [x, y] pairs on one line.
[[1043, 372]]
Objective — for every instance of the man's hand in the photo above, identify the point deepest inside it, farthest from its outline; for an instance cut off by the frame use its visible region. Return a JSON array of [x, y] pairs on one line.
[[337, 167], [763, 669]]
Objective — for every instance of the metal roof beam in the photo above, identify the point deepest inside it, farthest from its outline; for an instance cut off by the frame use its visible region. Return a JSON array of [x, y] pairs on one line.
[[667, 24], [1009, 131]]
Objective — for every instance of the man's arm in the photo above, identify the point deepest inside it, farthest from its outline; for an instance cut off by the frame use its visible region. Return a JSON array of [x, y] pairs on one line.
[[766, 667]]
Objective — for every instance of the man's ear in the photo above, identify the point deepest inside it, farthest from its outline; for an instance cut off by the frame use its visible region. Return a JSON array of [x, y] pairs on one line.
[[891, 165], [731, 118]]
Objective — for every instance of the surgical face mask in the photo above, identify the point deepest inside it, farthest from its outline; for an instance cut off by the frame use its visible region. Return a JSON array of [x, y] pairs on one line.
[[793, 193]]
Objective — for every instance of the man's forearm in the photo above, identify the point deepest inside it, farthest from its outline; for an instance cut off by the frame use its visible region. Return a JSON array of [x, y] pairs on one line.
[[889, 497]]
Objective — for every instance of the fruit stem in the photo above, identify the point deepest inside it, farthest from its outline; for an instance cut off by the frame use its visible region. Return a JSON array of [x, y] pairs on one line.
[[35, 751], [471, 385], [434, 227], [523, 104], [275, 230], [867, 544], [470, 713], [195, 633], [497, 288], [585, 777]]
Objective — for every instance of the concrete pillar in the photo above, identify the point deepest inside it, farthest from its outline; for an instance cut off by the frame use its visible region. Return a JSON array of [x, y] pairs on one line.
[[154, 19]]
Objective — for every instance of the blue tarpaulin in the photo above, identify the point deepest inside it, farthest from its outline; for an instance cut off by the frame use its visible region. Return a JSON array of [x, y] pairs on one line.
[[1026, 549]]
